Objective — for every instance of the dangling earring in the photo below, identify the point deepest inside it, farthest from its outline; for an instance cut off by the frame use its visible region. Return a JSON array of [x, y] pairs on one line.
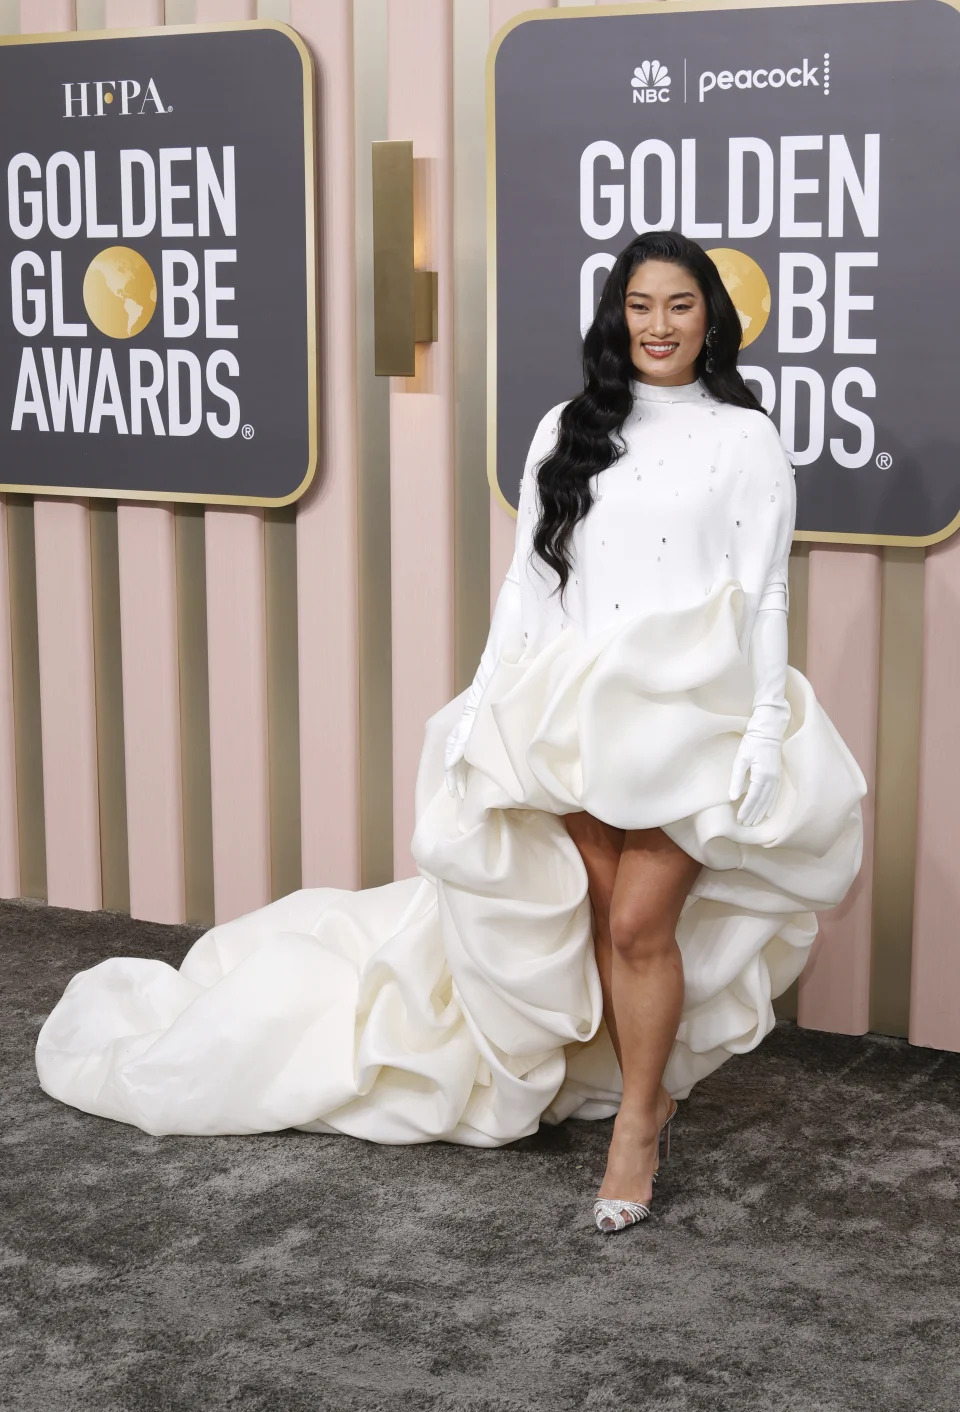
[[709, 342]]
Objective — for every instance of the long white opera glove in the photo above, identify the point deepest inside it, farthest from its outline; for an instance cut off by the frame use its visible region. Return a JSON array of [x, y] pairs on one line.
[[504, 625], [759, 750], [507, 621]]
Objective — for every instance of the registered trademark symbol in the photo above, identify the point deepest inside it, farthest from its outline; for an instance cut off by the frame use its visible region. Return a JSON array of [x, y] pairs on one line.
[[884, 460], [246, 431], [169, 107]]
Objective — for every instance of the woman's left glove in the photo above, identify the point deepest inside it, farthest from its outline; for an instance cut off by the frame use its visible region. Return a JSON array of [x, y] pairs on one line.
[[759, 756], [760, 748]]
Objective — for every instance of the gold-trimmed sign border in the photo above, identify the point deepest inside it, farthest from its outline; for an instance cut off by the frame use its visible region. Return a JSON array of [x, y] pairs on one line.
[[310, 211], [641, 7]]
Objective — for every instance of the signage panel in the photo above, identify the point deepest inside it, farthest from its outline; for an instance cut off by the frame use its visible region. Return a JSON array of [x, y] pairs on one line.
[[814, 151], [157, 247]]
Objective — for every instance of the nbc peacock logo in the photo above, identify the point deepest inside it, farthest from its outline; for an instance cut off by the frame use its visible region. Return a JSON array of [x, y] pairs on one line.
[[651, 82]]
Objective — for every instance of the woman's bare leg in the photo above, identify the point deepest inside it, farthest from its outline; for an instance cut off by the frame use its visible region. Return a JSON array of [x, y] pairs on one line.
[[600, 845], [653, 878]]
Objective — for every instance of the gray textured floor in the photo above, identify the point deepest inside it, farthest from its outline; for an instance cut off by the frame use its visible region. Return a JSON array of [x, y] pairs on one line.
[[805, 1255]]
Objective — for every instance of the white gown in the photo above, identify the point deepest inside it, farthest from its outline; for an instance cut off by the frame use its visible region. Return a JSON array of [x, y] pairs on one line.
[[464, 1004]]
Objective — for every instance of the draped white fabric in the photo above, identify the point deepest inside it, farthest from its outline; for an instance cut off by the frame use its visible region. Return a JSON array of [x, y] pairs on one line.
[[464, 1004]]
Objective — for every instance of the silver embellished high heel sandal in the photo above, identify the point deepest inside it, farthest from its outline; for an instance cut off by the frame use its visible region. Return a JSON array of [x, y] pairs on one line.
[[608, 1209]]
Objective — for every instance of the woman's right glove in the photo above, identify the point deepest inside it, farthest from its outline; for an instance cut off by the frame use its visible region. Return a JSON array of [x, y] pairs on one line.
[[504, 625]]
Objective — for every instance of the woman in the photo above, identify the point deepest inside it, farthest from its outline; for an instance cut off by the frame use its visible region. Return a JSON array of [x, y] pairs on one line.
[[595, 925], [660, 355]]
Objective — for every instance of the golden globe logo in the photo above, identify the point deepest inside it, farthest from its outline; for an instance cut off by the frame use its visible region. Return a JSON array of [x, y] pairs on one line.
[[81, 382], [97, 97]]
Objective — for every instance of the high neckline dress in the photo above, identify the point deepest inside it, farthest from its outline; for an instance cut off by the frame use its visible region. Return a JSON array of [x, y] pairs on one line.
[[464, 1004]]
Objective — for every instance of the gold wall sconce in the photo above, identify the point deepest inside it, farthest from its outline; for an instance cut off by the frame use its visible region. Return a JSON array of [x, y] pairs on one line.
[[404, 298]]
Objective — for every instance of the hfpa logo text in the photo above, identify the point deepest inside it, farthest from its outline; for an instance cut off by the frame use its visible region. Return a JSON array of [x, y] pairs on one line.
[[96, 98], [651, 82]]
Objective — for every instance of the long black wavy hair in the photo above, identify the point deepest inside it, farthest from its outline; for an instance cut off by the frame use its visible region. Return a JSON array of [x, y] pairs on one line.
[[590, 421]]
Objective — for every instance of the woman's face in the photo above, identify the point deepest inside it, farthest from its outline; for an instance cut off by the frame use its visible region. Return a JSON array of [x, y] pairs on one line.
[[664, 306]]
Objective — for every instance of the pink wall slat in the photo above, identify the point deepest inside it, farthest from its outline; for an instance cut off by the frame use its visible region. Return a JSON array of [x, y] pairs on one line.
[[935, 968], [68, 720], [151, 710], [65, 633], [133, 13], [213, 12], [47, 16], [420, 109], [151, 704], [237, 665], [237, 671], [843, 666], [9, 829], [503, 526], [327, 548]]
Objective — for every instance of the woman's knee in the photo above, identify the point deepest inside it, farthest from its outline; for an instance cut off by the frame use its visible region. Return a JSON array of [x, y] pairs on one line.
[[642, 929], [653, 880]]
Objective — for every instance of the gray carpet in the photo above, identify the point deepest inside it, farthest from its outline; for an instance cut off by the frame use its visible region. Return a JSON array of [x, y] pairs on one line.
[[804, 1257]]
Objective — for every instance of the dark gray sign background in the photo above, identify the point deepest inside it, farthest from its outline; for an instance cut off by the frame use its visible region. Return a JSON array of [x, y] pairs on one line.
[[242, 87], [563, 82]]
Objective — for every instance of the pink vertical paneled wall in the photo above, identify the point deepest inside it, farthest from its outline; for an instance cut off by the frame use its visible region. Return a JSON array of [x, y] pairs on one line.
[[151, 690], [9, 827], [237, 667], [843, 666], [237, 673], [935, 967], [65, 640], [327, 550], [68, 721], [420, 109], [151, 709]]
